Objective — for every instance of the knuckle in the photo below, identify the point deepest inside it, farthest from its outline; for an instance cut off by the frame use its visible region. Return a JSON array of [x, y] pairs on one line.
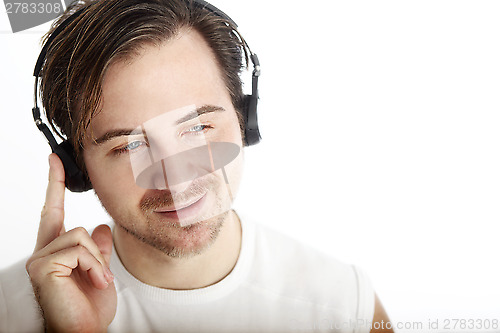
[[43, 213], [34, 268], [80, 232], [52, 213], [81, 250], [28, 263]]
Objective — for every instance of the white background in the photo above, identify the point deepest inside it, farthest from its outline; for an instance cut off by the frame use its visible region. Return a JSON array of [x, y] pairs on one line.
[[380, 124]]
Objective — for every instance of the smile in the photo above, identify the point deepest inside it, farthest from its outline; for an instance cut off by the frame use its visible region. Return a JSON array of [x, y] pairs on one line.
[[183, 212]]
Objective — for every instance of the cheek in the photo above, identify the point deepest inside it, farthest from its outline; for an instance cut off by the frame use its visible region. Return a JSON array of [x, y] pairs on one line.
[[231, 129], [232, 133], [113, 186], [234, 172]]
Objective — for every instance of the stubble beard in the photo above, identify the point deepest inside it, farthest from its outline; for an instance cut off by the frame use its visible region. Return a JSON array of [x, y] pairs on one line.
[[165, 236], [164, 241]]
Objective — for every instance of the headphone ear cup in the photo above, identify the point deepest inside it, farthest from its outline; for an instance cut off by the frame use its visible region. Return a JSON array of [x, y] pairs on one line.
[[252, 134], [75, 179]]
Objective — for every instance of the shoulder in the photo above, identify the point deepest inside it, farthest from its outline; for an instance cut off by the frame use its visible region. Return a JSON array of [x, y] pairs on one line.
[[292, 268], [19, 311]]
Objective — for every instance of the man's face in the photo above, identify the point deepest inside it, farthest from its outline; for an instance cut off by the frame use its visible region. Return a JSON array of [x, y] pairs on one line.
[[177, 93]]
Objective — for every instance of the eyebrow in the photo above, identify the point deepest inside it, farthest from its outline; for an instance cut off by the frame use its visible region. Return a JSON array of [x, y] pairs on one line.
[[192, 115], [111, 135], [198, 112]]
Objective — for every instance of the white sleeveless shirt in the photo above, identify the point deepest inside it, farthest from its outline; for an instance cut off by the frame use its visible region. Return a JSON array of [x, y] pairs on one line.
[[277, 285]]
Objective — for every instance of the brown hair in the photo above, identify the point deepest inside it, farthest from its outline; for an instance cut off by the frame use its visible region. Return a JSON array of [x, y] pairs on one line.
[[112, 30]]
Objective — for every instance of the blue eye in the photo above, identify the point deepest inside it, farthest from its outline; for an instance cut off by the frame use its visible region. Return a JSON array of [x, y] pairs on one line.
[[199, 128], [131, 147]]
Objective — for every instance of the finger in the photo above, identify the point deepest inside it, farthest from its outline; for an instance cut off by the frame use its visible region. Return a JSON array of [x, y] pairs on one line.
[[74, 237], [60, 265], [52, 217], [103, 237]]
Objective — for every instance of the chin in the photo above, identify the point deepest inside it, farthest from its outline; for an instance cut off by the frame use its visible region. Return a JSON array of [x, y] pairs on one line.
[[174, 240]]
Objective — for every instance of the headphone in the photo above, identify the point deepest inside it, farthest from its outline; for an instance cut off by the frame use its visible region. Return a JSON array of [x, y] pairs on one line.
[[76, 181]]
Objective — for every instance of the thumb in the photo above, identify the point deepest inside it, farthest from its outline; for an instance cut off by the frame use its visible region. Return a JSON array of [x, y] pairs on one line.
[[104, 240]]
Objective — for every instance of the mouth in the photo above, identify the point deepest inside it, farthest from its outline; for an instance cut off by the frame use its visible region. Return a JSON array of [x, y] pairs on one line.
[[185, 212]]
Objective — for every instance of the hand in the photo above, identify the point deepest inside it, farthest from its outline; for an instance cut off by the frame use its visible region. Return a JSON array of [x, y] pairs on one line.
[[69, 271]]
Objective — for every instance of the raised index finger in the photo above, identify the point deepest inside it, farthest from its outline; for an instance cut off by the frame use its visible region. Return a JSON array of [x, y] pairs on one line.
[[52, 219]]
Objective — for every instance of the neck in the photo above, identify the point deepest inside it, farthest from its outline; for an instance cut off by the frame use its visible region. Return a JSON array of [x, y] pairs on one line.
[[154, 267]]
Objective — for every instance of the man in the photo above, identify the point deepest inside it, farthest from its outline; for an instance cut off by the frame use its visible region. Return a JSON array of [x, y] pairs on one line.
[[149, 95]]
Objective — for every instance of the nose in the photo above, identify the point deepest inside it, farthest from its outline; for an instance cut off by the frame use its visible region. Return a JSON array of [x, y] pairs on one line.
[[173, 173], [171, 169], [177, 174]]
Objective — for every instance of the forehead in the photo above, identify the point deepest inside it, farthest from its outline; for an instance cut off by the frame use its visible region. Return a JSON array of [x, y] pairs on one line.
[[182, 71]]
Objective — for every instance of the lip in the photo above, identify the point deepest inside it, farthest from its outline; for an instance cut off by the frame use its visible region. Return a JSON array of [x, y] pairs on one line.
[[186, 205], [187, 212]]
